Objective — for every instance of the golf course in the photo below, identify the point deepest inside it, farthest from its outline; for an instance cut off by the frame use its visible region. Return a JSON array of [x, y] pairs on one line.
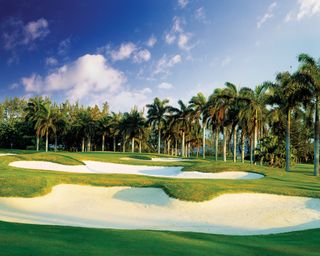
[[70, 208]]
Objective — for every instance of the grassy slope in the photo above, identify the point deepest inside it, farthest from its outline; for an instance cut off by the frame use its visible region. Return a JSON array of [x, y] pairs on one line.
[[20, 239]]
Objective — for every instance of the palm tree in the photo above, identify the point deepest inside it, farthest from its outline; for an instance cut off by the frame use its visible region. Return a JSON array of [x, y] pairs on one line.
[[85, 126], [45, 122], [134, 124], [156, 115], [59, 121], [115, 120], [34, 105], [181, 116], [255, 107], [310, 68], [199, 104], [104, 125], [286, 94]]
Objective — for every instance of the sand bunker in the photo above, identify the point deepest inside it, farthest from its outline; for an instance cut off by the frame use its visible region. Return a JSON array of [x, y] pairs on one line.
[[7, 154], [111, 168], [151, 208]]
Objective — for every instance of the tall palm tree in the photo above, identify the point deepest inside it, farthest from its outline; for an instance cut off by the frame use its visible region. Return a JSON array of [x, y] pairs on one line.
[[115, 120], [310, 68], [45, 123], [32, 109], [199, 104], [156, 115], [286, 94], [104, 126], [181, 116]]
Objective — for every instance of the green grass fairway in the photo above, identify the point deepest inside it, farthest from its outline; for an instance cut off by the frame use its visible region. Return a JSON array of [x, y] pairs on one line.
[[21, 239]]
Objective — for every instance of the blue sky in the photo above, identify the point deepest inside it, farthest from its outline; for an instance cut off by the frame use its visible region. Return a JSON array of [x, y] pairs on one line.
[[128, 52]]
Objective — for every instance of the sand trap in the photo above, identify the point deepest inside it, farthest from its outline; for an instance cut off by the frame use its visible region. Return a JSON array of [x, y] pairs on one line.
[[151, 208], [111, 168], [7, 154], [157, 159]]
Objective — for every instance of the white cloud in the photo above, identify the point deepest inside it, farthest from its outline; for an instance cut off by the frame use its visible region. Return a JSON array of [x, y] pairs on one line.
[[226, 61], [165, 86], [13, 86], [51, 61], [268, 15], [141, 56], [132, 98], [200, 15], [151, 41], [183, 3], [88, 76], [165, 63], [123, 52], [36, 29], [16, 33], [178, 35], [306, 8], [64, 46]]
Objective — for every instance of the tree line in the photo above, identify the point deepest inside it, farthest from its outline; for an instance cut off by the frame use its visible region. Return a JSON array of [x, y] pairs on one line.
[[276, 123]]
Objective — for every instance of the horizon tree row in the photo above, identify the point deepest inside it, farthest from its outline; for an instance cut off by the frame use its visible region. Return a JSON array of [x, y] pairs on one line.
[[275, 123]]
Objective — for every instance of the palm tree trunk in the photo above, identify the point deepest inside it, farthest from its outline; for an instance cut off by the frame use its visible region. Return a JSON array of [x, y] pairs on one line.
[[55, 143], [204, 142], [38, 142], [140, 142], [159, 140], [251, 150], [217, 144], [169, 142], [176, 147], [47, 141], [288, 141], [316, 139], [242, 146], [183, 146], [82, 147], [114, 144], [89, 144], [255, 137], [132, 145], [103, 142], [235, 144], [124, 146], [224, 144]]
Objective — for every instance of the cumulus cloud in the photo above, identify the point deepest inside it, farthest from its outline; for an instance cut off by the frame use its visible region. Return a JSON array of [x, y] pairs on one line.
[[123, 52], [200, 15], [127, 51], [151, 41], [84, 78], [165, 86], [16, 33], [141, 56], [91, 80], [268, 15], [183, 3], [165, 63], [51, 61], [306, 8], [178, 35]]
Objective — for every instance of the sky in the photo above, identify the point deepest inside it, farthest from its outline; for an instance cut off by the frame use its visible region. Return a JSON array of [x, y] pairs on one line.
[[128, 52]]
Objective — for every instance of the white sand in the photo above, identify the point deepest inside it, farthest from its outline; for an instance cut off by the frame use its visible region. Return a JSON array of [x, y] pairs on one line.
[[7, 154], [111, 168], [151, 208]]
